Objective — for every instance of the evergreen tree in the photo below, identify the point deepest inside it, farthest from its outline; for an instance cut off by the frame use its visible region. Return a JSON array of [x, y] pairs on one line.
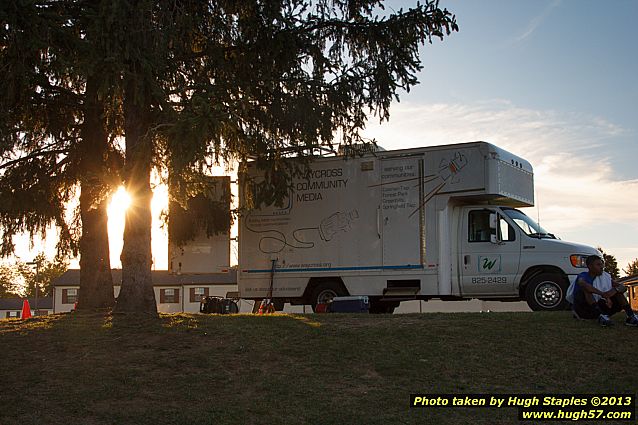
[[611, 264], [21, 279], [188, 83], [53, 135], [9, 282], [250, 79], [40, 274], [632, 268]]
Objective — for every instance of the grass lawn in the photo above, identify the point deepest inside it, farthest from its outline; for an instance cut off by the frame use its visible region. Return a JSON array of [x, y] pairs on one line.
[[297, 369]]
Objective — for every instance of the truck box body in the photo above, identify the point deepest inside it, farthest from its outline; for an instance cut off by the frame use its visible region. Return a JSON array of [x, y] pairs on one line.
[[390, 225]]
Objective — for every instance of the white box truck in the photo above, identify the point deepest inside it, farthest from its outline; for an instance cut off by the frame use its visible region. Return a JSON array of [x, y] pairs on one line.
[[425, 223]]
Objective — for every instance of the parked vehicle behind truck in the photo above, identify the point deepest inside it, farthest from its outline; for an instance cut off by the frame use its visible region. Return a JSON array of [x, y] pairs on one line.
[[426, 223]]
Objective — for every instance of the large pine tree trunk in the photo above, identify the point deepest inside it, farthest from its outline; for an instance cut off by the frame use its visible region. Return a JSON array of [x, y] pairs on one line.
[[96, 282], [137, 293]]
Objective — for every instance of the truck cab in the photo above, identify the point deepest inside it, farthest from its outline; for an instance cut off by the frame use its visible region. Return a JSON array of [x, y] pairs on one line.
[[501, 250]]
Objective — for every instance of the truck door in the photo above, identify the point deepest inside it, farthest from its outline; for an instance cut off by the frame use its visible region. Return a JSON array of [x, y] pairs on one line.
[[487, 267], [400, 214]]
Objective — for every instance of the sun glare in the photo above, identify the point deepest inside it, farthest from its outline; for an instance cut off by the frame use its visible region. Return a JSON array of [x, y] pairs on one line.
[[121, 200], [116, 211]]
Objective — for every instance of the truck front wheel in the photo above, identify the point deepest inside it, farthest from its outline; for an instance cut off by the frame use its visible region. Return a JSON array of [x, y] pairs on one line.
[[546, 292]]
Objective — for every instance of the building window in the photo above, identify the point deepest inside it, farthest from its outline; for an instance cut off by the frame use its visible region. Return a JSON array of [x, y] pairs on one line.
[[169, 295], [69, 296], [198, 293], [13, 314]]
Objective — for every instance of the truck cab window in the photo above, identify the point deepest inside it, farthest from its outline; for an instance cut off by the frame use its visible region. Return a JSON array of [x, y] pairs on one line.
[[479, 226], [507, 231], [527, 225]]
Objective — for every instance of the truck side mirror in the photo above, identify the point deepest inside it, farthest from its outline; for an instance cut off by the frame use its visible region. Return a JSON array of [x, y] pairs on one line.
[[494, 236], [493, 221]]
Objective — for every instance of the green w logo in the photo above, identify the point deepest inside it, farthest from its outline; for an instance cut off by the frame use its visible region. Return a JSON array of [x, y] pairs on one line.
[[487, 264]]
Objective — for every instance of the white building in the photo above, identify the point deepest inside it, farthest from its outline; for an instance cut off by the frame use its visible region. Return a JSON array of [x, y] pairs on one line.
[[174, 293], [171, 288], [12, 307]]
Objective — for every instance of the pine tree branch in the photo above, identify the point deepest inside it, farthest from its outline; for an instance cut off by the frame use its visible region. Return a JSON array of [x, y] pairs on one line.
[[33, 155]]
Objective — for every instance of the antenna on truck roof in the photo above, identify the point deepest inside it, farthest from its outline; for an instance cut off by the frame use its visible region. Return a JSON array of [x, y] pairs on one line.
[[538, 208]]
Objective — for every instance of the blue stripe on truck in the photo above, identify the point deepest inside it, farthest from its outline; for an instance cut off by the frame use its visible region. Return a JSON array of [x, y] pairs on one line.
[[318, 269]]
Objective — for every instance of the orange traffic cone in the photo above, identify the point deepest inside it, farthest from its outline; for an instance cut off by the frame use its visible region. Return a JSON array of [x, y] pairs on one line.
[[26, 310]]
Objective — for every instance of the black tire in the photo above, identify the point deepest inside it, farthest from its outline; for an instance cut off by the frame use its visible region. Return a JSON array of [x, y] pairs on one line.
[[278, 303], [382, 307], [232, 307], [546, 292], [325, 292]]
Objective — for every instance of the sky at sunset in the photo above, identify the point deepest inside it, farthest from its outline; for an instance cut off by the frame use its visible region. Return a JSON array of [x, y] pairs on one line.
[[553, 81]]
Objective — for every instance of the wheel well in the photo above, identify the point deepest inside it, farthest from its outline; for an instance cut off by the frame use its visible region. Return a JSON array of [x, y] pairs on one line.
[[532, 272], [313, 282]]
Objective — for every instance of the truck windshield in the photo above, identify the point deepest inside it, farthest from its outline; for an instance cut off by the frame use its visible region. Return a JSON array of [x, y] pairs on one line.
[[527, 225]]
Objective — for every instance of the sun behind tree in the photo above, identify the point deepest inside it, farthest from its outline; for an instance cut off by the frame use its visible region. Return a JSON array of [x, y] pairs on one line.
[[116, 211], [120, 201]]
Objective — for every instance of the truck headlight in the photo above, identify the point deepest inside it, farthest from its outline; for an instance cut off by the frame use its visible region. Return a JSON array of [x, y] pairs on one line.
[[578, 260]]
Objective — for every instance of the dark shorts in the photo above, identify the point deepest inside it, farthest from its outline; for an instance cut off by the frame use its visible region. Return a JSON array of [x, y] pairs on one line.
[[586, 311]]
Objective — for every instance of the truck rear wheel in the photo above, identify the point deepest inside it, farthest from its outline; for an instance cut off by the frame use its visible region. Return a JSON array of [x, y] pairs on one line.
[[546, 292], [325, 292]]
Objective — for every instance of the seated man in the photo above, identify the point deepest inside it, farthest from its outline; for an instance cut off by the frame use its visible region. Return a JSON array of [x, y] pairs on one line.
[[611, 301]]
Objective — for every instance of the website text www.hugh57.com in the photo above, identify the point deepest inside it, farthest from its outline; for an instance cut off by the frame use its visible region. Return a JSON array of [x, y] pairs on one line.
[[571, 415]]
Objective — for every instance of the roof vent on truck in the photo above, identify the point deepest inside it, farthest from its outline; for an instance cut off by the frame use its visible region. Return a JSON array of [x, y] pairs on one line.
[[359, 149]]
